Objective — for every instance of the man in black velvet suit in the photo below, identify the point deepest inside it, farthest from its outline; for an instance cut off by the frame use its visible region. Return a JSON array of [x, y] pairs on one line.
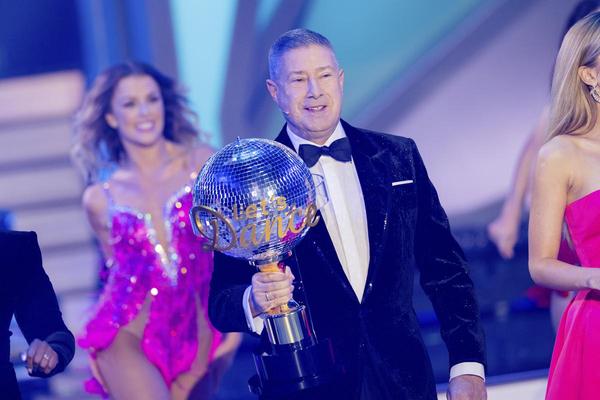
[[383, 218], [26, 293]]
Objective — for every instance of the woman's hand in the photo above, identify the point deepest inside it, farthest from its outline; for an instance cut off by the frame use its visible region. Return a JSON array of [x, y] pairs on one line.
[[224, 356], [593, 282], [40, 357], [504, 233], [185, 382]]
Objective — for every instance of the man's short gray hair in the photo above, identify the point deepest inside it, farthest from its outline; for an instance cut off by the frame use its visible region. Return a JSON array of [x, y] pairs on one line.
[[292, 40]]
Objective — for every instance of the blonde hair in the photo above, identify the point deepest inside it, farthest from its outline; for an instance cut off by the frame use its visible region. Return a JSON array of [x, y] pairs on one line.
[[573, 110]]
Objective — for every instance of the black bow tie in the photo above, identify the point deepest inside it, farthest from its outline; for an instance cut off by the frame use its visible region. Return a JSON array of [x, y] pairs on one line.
[[339, 150]]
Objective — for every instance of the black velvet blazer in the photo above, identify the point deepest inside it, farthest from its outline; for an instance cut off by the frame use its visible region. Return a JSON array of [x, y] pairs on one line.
[[377, 340], [26, 293]]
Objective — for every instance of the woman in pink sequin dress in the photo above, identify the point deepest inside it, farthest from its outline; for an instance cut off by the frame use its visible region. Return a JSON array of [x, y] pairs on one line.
[[149, 336], [567, 191]]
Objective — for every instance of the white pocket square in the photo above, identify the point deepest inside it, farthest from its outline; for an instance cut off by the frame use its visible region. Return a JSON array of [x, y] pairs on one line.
[[406, 182]]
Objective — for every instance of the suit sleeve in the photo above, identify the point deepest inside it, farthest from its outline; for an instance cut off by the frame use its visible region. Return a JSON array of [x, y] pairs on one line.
[[229, 280], [444, 275], [37, 311]]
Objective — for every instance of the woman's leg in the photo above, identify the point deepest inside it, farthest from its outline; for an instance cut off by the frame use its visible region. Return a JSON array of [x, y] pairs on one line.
[[185, 385], [127, 372]]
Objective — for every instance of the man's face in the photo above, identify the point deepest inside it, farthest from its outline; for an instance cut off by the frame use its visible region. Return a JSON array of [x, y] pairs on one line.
[[308, 89]]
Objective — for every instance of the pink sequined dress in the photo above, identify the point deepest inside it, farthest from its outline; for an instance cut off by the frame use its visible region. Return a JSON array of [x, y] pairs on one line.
[[574, 372], [175, 280]]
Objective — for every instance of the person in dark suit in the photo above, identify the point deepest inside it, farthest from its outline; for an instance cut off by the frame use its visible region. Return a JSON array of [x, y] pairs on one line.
[[383, 217], [26, 293]]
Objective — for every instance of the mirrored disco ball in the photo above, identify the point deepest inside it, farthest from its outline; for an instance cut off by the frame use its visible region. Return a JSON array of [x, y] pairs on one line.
[[254, 199]]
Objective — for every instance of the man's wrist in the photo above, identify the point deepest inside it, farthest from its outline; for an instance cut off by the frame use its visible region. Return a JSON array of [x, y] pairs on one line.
[[467, 368], [254, 323], [253, 310]]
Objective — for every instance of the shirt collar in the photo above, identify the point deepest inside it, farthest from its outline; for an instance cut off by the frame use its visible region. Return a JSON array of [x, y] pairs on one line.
[[296, 140]]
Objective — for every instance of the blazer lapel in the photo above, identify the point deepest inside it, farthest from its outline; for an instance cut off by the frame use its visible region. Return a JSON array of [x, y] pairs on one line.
[[319, 240], [371, 166], [284, 139]]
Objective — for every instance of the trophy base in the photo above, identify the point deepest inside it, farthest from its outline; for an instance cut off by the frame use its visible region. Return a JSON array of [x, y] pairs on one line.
[[286, 373]]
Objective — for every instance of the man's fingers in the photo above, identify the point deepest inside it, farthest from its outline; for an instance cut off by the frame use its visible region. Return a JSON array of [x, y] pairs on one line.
[[283, 300], [271, 289], [35, 343], [41, 354], [51, 364], [265, 301], [281, 293], [31, 351], [271, 276], [44, 361], [48, 356], [267, 277], [281, 297], [275, 286], [270, 286], [288, 273]]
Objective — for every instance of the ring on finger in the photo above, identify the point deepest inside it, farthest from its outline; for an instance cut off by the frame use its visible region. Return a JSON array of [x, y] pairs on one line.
[[46, 356], [267, 296]]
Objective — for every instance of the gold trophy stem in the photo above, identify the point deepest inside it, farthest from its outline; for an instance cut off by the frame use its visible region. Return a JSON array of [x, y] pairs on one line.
[[275, 267]]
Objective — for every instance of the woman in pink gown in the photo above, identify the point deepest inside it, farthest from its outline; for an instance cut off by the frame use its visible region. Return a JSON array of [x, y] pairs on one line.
[[503, 231], [566, 191], [149, 336]]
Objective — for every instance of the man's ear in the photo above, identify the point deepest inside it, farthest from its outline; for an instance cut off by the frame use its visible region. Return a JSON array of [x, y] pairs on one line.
[[111, 120], [588, 75], [272, 88]]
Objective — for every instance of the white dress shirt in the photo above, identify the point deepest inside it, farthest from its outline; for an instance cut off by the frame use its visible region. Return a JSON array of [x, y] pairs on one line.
[[343, 210]]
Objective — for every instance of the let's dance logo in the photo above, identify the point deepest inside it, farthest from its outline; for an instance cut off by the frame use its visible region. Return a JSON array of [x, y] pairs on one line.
[[252, 225]]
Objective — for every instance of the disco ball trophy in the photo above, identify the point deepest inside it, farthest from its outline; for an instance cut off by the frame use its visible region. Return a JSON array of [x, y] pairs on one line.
[[255, 199]]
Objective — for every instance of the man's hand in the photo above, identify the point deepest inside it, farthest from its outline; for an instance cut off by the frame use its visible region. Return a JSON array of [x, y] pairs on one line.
[[466, 387], [270, 289], [40, 357]]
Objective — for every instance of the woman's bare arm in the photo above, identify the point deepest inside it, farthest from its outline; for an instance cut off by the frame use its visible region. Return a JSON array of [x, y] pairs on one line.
[[553, 178]]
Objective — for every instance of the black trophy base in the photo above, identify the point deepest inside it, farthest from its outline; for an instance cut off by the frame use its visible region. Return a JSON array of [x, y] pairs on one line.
[[291, 371]]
